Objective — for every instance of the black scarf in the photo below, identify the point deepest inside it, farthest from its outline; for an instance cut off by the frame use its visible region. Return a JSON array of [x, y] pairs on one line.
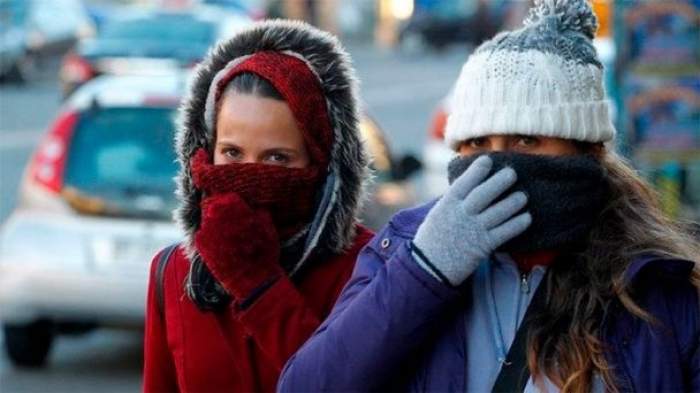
[[566, 194]]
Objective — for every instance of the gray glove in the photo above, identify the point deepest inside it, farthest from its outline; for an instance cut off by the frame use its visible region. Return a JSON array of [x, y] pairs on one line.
[[465, 226]]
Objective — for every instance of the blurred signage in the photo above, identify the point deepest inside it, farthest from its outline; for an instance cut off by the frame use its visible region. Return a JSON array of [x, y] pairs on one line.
[[658, 73]]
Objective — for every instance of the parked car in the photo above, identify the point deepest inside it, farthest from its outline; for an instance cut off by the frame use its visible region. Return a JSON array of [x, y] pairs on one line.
[[95, 204], [438, 24], [436, 154], [31, 30], [392, 188], [149, 42]]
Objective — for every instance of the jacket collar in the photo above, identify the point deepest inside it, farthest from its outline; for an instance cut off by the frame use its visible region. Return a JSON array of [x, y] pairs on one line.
[[658, 265]]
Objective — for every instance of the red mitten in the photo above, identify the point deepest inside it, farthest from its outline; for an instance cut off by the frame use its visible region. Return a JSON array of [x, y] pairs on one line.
[[239, 245]]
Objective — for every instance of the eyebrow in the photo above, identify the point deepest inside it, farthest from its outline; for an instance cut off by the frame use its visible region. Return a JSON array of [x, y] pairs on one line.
[[266, 151], [285, 150]]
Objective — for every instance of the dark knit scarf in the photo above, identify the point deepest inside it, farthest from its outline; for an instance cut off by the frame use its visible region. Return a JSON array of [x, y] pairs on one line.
[[565, 197], [288, 194]]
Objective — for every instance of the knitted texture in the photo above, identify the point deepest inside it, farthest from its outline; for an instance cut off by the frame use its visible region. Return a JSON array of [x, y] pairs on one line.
[[347, 174], [302, 93], [470, 222], [566, 193], [542, 80], [288, 194], [241, 256]]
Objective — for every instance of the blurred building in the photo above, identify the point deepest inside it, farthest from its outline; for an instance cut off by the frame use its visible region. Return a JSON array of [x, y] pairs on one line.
[[657, 91]]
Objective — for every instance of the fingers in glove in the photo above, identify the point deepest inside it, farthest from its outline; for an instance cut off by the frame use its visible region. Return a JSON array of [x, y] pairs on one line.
[[265, 221], [485, 193], [229, 204], [510, 229], [497, 214], [472, 177]]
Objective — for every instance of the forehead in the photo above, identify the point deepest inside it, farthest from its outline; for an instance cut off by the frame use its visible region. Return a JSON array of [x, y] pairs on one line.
[[249, 116]]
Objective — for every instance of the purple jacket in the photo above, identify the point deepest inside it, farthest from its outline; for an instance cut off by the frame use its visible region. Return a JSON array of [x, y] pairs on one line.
[[395, 327]]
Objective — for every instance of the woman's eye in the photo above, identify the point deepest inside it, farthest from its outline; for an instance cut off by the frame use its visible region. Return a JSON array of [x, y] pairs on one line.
[[476, 142], [527, 141], [232, 154], [278, 158]]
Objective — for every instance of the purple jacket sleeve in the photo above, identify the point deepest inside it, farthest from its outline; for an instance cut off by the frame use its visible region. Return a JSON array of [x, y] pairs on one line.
[[695, 371], [386, 311], [694, 366]]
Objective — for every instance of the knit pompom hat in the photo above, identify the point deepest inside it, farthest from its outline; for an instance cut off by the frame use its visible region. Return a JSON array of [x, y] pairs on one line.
[[544, 79]]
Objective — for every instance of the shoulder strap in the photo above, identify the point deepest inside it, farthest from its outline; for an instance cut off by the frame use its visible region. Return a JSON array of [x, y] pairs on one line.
[[514, 371], [160, 276]]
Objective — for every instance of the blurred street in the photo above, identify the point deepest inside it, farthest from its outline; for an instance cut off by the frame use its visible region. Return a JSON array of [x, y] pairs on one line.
[[400, 91]]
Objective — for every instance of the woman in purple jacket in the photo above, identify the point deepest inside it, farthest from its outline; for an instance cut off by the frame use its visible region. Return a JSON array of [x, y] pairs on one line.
[[538, 208]]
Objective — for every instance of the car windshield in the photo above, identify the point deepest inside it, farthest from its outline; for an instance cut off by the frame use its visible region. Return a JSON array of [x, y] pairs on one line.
[[125, 157], [163, 33]]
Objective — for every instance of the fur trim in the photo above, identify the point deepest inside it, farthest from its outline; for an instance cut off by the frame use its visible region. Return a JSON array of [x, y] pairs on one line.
[[334, 228]]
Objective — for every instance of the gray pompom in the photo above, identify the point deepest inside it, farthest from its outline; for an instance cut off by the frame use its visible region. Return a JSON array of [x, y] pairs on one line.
[[567, 15]]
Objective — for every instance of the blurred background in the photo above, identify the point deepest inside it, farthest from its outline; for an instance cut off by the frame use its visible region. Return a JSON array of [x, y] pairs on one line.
[[88, 93]]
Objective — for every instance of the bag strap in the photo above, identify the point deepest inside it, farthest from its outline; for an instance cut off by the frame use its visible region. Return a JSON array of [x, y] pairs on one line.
[[514, 372], [160, 276]]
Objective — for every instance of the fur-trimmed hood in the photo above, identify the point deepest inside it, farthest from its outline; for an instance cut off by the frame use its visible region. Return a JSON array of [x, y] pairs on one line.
[[333, 228]]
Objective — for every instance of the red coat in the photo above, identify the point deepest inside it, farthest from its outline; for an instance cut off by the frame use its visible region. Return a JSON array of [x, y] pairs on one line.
[[236, 351]]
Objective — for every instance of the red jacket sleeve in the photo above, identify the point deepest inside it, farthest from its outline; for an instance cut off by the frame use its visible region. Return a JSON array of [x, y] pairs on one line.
[[280, 321], [159, 369], [284, 317]]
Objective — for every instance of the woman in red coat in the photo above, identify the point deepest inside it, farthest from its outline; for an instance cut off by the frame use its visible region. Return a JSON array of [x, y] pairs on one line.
[[272, 175]]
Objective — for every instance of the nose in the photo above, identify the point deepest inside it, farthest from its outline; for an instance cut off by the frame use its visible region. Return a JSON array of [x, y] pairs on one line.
[[249, 158], [499, 144]]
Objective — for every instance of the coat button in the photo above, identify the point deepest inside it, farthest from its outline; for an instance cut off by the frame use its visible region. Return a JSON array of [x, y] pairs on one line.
[[386, 243]]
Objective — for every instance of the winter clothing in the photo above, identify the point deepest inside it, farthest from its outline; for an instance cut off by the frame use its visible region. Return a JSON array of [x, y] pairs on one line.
[[237, 218], [241, 256], [303, 94], [396, 328], [544, 79], [526, 261], [566, 195], [286, 193], [236, 350], [466, 226], [332, 229]]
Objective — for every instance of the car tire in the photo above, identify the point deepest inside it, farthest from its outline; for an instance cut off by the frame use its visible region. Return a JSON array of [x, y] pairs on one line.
[[29, 345], [412, 42], [23, 71]]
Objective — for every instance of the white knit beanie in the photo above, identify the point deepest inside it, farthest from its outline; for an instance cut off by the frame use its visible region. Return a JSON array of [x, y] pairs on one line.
[[544, 79]]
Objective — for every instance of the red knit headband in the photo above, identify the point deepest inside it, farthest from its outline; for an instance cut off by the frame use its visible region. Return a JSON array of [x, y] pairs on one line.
[[301, 90]]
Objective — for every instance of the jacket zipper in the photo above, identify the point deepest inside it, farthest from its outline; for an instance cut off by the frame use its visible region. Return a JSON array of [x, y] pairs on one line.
[[522, 293], [524, 283]]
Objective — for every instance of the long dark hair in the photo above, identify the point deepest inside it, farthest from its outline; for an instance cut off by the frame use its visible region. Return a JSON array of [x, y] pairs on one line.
[[565, 343], [201, 287]]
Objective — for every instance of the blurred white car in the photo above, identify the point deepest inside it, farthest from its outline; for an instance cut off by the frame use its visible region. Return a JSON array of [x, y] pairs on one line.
[[436, 154], [94, 206]]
